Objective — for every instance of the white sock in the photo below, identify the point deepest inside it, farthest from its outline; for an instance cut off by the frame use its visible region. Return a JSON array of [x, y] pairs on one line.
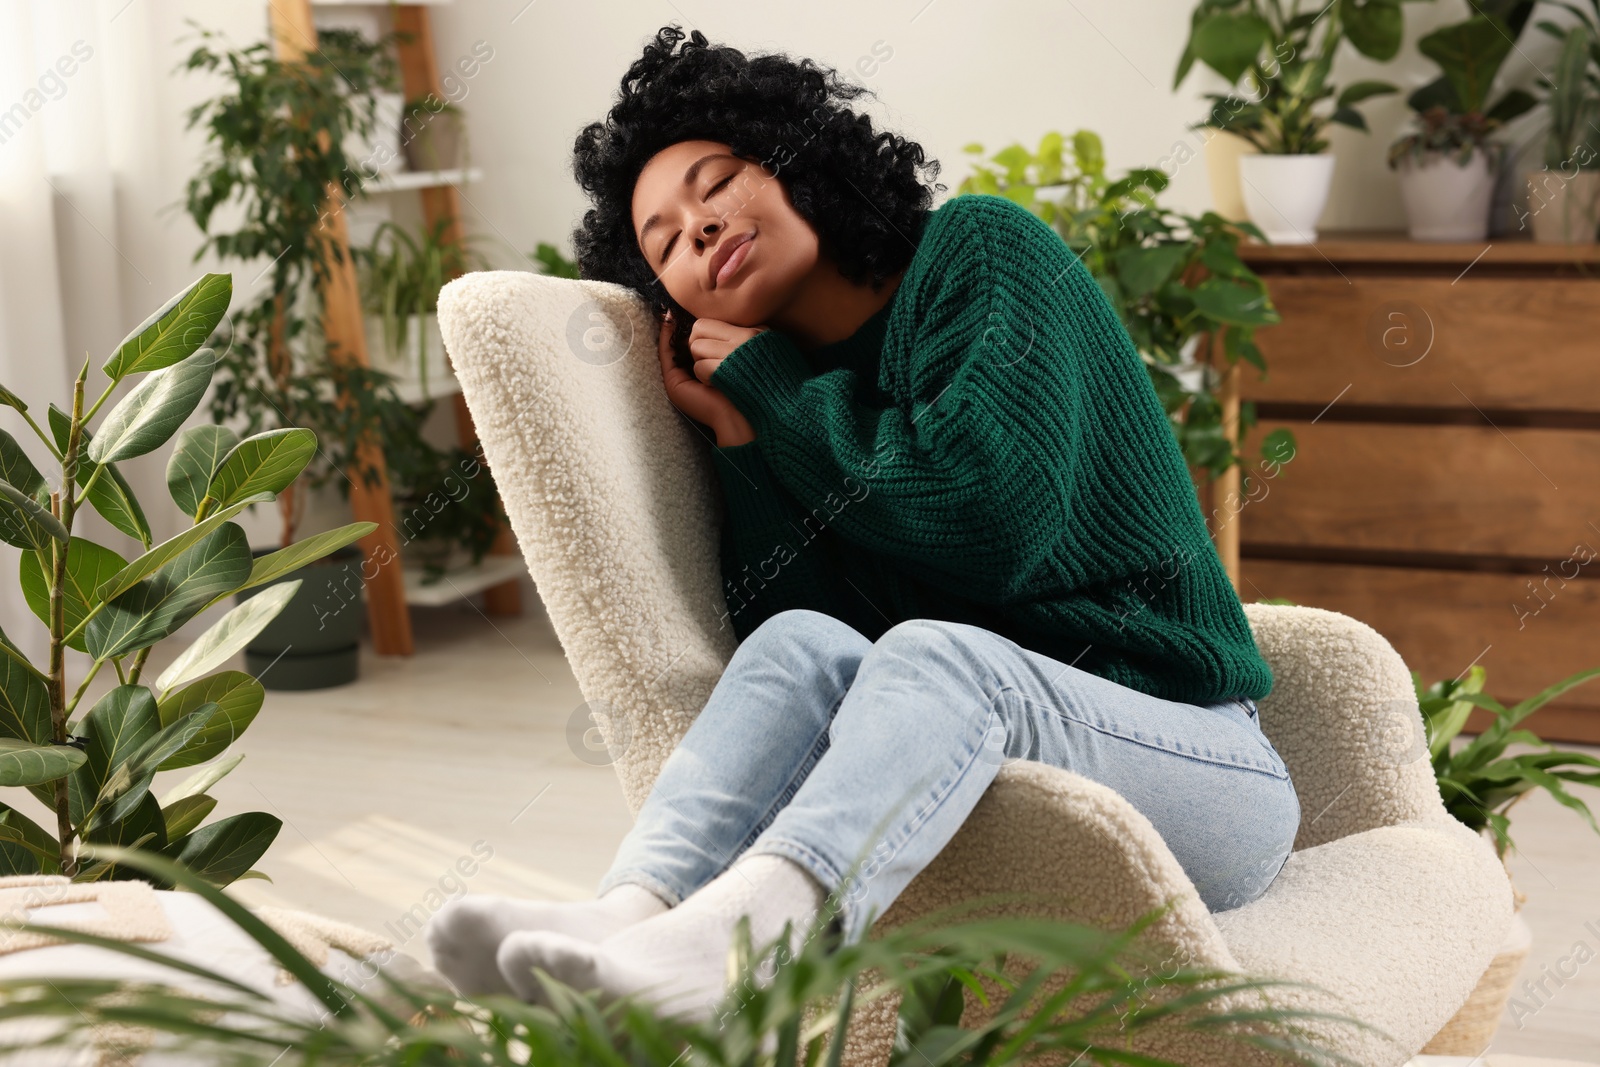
[[465, 934], [677, 960]]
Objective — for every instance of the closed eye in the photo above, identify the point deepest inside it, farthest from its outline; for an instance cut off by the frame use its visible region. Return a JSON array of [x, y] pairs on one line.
[[667, 248]]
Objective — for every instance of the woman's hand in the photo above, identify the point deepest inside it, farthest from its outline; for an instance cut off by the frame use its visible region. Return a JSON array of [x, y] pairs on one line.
[[690, 394]]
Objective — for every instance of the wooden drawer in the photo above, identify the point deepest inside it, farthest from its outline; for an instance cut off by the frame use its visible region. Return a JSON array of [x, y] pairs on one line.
[[1496, 344], [1528, 632], [1527, 494]]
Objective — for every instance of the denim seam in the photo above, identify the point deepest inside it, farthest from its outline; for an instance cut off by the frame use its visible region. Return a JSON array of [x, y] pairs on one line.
[[1267, 769], [789, 790]]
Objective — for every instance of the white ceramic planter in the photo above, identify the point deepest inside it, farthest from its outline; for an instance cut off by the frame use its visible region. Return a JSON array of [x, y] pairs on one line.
[[1444, 200], [1285, 195], [1564, 209]]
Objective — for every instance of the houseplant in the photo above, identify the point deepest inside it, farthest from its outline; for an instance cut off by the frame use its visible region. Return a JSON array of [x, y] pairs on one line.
[[401, 275], [1448, 162], [1564, 200], [1480, 784], [1175, 280], [1284, 52], [94, 768], [275, 141], [1057, 990], [433, 134]]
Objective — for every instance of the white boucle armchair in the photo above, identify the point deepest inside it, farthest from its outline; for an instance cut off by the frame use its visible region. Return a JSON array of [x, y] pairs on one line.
[[1388, 907]]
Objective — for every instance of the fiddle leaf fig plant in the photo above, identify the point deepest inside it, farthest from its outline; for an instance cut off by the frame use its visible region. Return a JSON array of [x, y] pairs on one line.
[[93, 764]]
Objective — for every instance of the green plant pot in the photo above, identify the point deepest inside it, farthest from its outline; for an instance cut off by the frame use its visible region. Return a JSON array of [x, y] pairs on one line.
[[314, 643]]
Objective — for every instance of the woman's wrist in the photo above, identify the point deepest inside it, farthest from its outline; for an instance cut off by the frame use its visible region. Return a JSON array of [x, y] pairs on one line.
[[734, 430]]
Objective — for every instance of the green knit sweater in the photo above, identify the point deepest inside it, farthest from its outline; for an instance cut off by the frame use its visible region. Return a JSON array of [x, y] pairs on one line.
[[988, 449]]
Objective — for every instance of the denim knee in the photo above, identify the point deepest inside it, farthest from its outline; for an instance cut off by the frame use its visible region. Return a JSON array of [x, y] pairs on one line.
[[940, 643], [804, 629]]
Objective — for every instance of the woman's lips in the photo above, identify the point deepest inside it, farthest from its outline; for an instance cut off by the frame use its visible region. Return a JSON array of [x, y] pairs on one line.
[[735, 259]]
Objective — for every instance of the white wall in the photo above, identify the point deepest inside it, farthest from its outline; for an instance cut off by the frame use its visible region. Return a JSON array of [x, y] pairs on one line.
[[961, 70]]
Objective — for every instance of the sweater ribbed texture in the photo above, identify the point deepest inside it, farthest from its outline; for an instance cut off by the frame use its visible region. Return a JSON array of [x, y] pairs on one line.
[[987, 448]]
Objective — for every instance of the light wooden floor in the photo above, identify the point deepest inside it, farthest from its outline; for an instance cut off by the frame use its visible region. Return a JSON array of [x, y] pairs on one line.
[[383, 786]]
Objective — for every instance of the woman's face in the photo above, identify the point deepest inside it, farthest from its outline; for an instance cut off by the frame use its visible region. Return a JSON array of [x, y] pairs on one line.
[[720, 233]]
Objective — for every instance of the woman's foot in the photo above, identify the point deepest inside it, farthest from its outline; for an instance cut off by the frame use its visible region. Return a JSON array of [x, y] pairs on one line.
[[465, 934], [676, 961]]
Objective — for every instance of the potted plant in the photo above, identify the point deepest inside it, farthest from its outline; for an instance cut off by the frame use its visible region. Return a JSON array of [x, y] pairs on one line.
[[1448, 163], [1285, 51], [1175, 280], [1564, 199], [1480, 784], [93, 765], [433, 135], [401, 275]]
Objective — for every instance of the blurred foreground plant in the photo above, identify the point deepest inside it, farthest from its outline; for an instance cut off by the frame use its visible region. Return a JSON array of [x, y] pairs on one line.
[[1086, 995]]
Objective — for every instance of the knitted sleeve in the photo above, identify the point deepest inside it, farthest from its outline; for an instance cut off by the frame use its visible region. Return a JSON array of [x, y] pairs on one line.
[[966, 478], [770, 561]]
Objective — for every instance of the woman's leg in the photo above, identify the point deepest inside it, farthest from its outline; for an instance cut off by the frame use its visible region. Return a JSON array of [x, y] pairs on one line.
[[938, 707], [761, 732], [935, 709]]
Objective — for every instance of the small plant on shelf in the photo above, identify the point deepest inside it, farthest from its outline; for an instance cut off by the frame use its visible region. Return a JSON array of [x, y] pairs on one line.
[[93, 769], [401, 275]]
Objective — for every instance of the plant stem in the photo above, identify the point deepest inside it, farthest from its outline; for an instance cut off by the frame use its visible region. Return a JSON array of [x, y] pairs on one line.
[[88, 485], [48, 442], [138, 664], [87, 678], [62, 503]]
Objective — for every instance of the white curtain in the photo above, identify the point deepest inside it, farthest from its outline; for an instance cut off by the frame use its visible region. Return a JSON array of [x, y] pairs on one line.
[[93, 161]]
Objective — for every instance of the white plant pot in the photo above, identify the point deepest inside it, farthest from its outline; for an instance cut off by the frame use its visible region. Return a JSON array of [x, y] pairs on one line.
[[1285, 195], [380, 152], [419, 364], [1444, 200]]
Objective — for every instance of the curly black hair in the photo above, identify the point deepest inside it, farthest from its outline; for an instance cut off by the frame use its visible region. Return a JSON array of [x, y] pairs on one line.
[[858, 189]]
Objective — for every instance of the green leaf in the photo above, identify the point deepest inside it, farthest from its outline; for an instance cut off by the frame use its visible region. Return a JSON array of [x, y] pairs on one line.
[[111, 495], [24, 524], [170, 597], [195, 459], [264, 463], [27, 848], [175, 330], [186, 813], [1470, 54], [144, 419], [168, 550], [204, 778], [1229, 44], [223, 851], [238, 698], [1237, 305], [133, 777], [88, 566], [25, 763], [1356, 92], [18, 469], [1374, 27], [297, 555], [1143, 270], [227, 635], [1514, 103], [115, 728], [24, 699], [11, 400]]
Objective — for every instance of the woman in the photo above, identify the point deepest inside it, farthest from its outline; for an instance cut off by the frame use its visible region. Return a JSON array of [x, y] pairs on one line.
[[959, 531]]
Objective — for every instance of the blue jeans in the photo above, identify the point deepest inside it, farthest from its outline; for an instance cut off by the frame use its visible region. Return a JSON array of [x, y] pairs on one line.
[[853, 756]]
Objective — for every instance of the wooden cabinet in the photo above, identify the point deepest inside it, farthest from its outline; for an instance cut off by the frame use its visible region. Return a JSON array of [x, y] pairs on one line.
[[1446, 486]]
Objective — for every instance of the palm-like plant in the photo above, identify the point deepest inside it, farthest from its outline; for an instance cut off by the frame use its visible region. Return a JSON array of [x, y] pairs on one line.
[[1478, 781], [1082, 995]]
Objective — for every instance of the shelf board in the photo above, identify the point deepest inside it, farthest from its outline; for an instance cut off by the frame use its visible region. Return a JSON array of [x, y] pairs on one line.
[[440, 387], [405, 180], [458, 584]]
